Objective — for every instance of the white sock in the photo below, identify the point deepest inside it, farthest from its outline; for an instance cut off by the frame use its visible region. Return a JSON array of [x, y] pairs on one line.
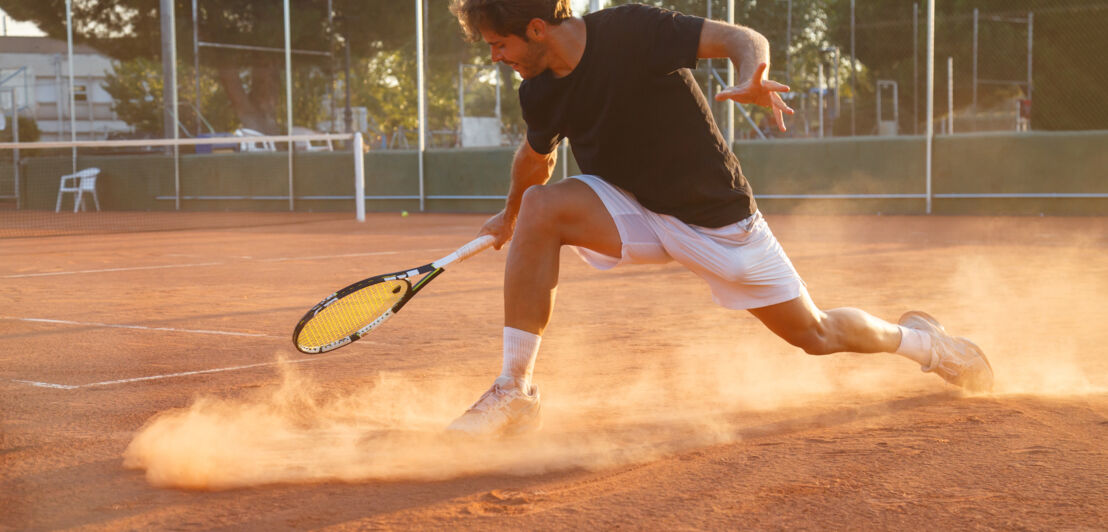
[[916, 345], [521, 348]]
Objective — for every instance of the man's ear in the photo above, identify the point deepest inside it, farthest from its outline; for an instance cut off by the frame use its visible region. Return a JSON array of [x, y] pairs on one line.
[[536, 29]]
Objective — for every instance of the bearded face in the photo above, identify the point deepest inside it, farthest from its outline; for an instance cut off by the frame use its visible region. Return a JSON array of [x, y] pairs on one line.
[[528, 57]]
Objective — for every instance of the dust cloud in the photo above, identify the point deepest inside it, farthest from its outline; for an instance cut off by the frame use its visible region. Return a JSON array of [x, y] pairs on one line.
[[1043, 330], [303, 430], [1041, 325]]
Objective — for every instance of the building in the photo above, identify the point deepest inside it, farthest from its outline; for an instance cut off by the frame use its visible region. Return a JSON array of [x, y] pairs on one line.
[[34, 70]]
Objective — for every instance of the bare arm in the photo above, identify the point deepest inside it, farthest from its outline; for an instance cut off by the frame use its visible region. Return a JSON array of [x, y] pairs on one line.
[[745, 47], [749, 51], [528, 168]]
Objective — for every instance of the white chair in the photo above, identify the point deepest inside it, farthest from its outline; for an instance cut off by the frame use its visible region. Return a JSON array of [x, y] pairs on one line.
[[79, 183], [251, 145], [304, 145]]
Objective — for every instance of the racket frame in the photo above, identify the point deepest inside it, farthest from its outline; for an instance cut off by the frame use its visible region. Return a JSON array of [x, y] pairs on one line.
[[432, 270]]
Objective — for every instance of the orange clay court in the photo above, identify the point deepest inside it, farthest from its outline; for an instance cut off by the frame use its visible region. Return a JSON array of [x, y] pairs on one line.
[[148, 381]]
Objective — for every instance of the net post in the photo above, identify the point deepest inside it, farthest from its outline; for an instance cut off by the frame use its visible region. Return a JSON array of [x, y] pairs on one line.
[[15, 152], [359, 176], [176, 177]]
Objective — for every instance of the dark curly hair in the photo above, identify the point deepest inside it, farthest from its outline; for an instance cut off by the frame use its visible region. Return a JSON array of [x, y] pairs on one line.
[[507, 17]]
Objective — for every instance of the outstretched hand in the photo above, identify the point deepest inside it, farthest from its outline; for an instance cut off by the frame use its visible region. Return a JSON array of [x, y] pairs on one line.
[[760, 91]]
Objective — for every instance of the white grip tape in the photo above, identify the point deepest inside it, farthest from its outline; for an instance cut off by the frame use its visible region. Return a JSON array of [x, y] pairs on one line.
[[478, 245]]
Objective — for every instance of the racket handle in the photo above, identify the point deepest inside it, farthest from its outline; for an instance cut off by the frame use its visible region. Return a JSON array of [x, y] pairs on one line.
[[478, 245]]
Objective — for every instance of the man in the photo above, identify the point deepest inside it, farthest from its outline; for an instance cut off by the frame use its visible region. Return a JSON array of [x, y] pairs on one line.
[[661, 184]]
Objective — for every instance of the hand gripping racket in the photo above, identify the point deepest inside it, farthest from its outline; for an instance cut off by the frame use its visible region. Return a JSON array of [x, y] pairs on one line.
[[350, 313]]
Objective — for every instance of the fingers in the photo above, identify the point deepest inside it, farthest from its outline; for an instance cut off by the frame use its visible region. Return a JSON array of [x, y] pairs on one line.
[[774, 86], [762, 92], [500, 240], [779, 110], [759, 73], [502, 233], [494, 233], [496, 244], [499, 227], [501, 236], [780, 105], [748, 93]]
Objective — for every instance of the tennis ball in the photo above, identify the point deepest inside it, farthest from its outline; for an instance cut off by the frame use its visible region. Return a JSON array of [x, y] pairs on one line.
[[403, 213]]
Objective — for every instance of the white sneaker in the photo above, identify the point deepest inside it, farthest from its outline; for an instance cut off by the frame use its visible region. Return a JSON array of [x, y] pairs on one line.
[[504, 410], [957, 360]]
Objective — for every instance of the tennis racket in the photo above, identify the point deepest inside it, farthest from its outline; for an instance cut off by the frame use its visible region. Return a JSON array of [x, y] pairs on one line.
[[350, 313]]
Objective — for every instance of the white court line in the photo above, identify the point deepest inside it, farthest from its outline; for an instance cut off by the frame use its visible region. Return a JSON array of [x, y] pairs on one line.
[[47, 384], [167, 375], [275, 259], [366, 254], [46, 274], [156, 377], [317, 257], [189, 331], [140, 327]]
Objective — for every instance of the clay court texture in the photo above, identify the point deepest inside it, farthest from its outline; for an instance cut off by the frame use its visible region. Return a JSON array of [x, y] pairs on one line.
[[148, 381]]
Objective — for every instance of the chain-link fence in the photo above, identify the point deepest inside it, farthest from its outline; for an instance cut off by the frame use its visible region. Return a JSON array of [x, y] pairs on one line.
[[132, 69], [1015, 65], [1000, 65]]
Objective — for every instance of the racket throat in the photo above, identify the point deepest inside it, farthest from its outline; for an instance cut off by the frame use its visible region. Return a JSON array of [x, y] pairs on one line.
[[415, 288]]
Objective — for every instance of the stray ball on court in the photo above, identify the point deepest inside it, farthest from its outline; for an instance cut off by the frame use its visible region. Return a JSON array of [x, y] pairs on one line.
[[403, 213]]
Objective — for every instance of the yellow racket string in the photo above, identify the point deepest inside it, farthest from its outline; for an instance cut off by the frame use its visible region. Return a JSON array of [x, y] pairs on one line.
[[345, 316]]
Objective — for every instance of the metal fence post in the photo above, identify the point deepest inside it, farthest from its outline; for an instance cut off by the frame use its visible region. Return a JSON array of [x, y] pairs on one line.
[[359, 176]]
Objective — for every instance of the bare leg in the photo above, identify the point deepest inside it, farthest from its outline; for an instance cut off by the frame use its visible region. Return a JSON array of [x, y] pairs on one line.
[[550, 216], [957, 360], [568, 212], [802, 324]]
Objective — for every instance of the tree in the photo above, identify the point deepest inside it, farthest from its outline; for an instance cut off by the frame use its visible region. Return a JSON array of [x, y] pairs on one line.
[[28, 132], [136, 89], [385, 82], [771, 19], [252, 80], [1070, 73], [794, 55]]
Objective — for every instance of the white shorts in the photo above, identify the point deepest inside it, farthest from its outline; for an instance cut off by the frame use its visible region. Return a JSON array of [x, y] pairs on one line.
[[742, 262]]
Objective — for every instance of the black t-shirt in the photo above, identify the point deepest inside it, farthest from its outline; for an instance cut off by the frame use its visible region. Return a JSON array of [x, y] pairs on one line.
[[635, 117]]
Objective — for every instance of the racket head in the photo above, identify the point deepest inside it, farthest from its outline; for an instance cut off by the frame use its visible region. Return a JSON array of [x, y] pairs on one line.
[[350, 313]]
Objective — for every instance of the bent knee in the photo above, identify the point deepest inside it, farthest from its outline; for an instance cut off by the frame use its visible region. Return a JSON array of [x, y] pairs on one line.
[[539, 202], [542, 213], [551, 205]]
